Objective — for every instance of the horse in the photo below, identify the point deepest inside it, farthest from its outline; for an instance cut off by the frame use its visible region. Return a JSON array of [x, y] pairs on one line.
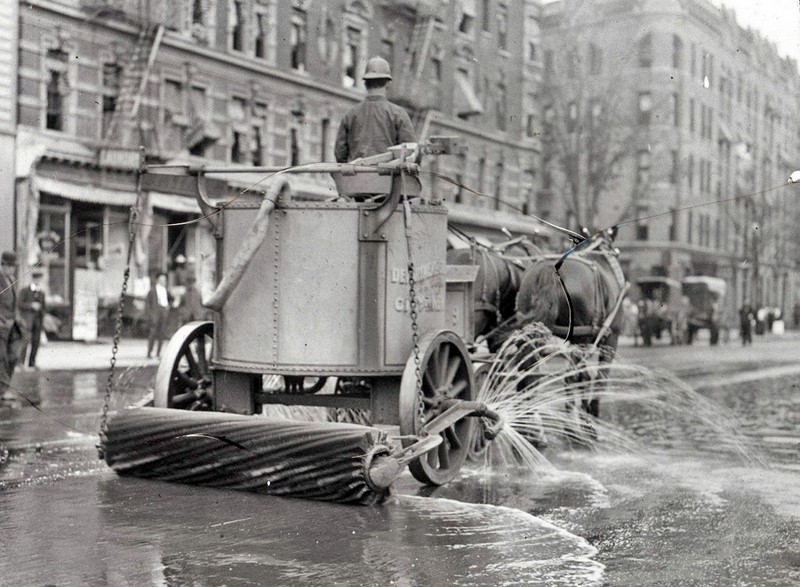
[[581, 303], [494, 289]]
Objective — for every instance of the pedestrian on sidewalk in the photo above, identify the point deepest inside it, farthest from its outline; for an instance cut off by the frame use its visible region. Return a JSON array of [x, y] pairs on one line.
[[157, 305], [32, 309], [10, 333], [746, 319]]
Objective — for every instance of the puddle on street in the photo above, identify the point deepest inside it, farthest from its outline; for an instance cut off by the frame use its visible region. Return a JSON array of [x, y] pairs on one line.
[[679, 515]]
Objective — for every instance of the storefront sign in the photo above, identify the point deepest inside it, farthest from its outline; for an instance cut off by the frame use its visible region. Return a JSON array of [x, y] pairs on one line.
[[85, 303]]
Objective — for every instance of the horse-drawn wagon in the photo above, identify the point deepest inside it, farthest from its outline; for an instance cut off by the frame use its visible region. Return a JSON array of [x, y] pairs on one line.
[[359, 291]]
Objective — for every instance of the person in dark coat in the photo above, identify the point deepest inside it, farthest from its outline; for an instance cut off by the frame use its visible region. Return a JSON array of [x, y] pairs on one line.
[[746, 319], [375, 124], [10, 333], [32, 309], [157, 305], [191, 305]]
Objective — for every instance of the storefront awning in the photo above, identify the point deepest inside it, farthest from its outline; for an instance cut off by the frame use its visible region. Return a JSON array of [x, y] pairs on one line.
[[174, 203], [104, 196], [467, 103], [84, 193]]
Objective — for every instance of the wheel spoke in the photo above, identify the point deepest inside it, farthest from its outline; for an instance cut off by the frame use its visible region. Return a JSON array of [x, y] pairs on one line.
[[452, 437], [202, 360], [428, 382], [193, 368], [442, 363], [451, 371], [444, 456], [182, 398], [187, 381], [456, 389]]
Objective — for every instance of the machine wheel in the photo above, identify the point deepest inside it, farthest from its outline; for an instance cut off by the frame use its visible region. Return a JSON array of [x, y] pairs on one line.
[[446, 373], [183, 379]]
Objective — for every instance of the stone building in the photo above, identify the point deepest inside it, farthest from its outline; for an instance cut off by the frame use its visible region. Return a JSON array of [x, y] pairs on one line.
[[250, 82], [8, 116], [651, 107]]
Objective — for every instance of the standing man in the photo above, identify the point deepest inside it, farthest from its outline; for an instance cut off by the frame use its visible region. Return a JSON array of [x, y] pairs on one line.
[[32, 308], [9, 330], [376, 124], [746, 319], [157, 307]]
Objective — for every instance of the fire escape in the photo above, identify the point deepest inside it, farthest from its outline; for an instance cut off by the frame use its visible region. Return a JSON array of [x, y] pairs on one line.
[[128, 129], [420, 99]]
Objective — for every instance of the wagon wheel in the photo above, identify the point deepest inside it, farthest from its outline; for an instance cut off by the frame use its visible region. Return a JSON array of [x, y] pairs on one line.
[[183, 379], [478, 444], [446, 373]]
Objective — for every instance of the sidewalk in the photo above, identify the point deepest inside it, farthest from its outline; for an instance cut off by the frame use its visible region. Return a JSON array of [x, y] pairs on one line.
[[89, 356]]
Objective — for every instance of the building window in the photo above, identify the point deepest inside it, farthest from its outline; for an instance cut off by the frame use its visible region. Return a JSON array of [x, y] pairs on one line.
[[297, 39], [530, 125], [258, 143], [595, 112], [502, 26], [500, 106], [675, 110], [645, 51], [689, 227], [673, 226], [532, 51], [294, 147], [467, 23], [481, 173], [595, 59], [197, 12], [643, 168], [691, 116], [548, 62], [237, 25], [674, 170], [352, 50], [55, 102], [111, 73], [262, 35], [690, 173], [677, 52], [572, 117], [324, 138], [237, 148], [645, 107], [642, 232], [109, 107], [572, 64], [498, 184], [486, 14]]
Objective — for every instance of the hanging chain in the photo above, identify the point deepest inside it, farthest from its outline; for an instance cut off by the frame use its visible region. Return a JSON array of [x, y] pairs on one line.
[[412, 297], [132, 218], [412, 304]]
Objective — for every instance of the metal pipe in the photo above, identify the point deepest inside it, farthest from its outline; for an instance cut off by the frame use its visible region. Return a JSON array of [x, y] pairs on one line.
[[248, 248]]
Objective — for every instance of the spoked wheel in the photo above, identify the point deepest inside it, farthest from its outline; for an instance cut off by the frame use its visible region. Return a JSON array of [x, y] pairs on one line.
[[446, 373], [183, 379], [478, 444]]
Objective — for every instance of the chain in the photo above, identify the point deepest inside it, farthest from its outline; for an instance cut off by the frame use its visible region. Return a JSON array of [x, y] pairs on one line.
[[412, 303], [412, 298], [121, 305]]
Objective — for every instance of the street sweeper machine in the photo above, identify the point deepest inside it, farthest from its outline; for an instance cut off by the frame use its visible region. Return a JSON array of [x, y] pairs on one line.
[[354, 290]]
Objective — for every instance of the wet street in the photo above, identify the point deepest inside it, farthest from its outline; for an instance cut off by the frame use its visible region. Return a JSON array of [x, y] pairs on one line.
[[680, 509]]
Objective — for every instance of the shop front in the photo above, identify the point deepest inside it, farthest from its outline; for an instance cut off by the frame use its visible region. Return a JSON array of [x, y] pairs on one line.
[[77, 231]]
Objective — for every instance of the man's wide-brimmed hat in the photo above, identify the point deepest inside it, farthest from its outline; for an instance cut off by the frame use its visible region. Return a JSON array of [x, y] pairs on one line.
[[377, 68], [8, 258]]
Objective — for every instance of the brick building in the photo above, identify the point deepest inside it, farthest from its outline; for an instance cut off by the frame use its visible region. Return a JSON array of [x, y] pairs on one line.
[[651, 107], [260, 82]]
